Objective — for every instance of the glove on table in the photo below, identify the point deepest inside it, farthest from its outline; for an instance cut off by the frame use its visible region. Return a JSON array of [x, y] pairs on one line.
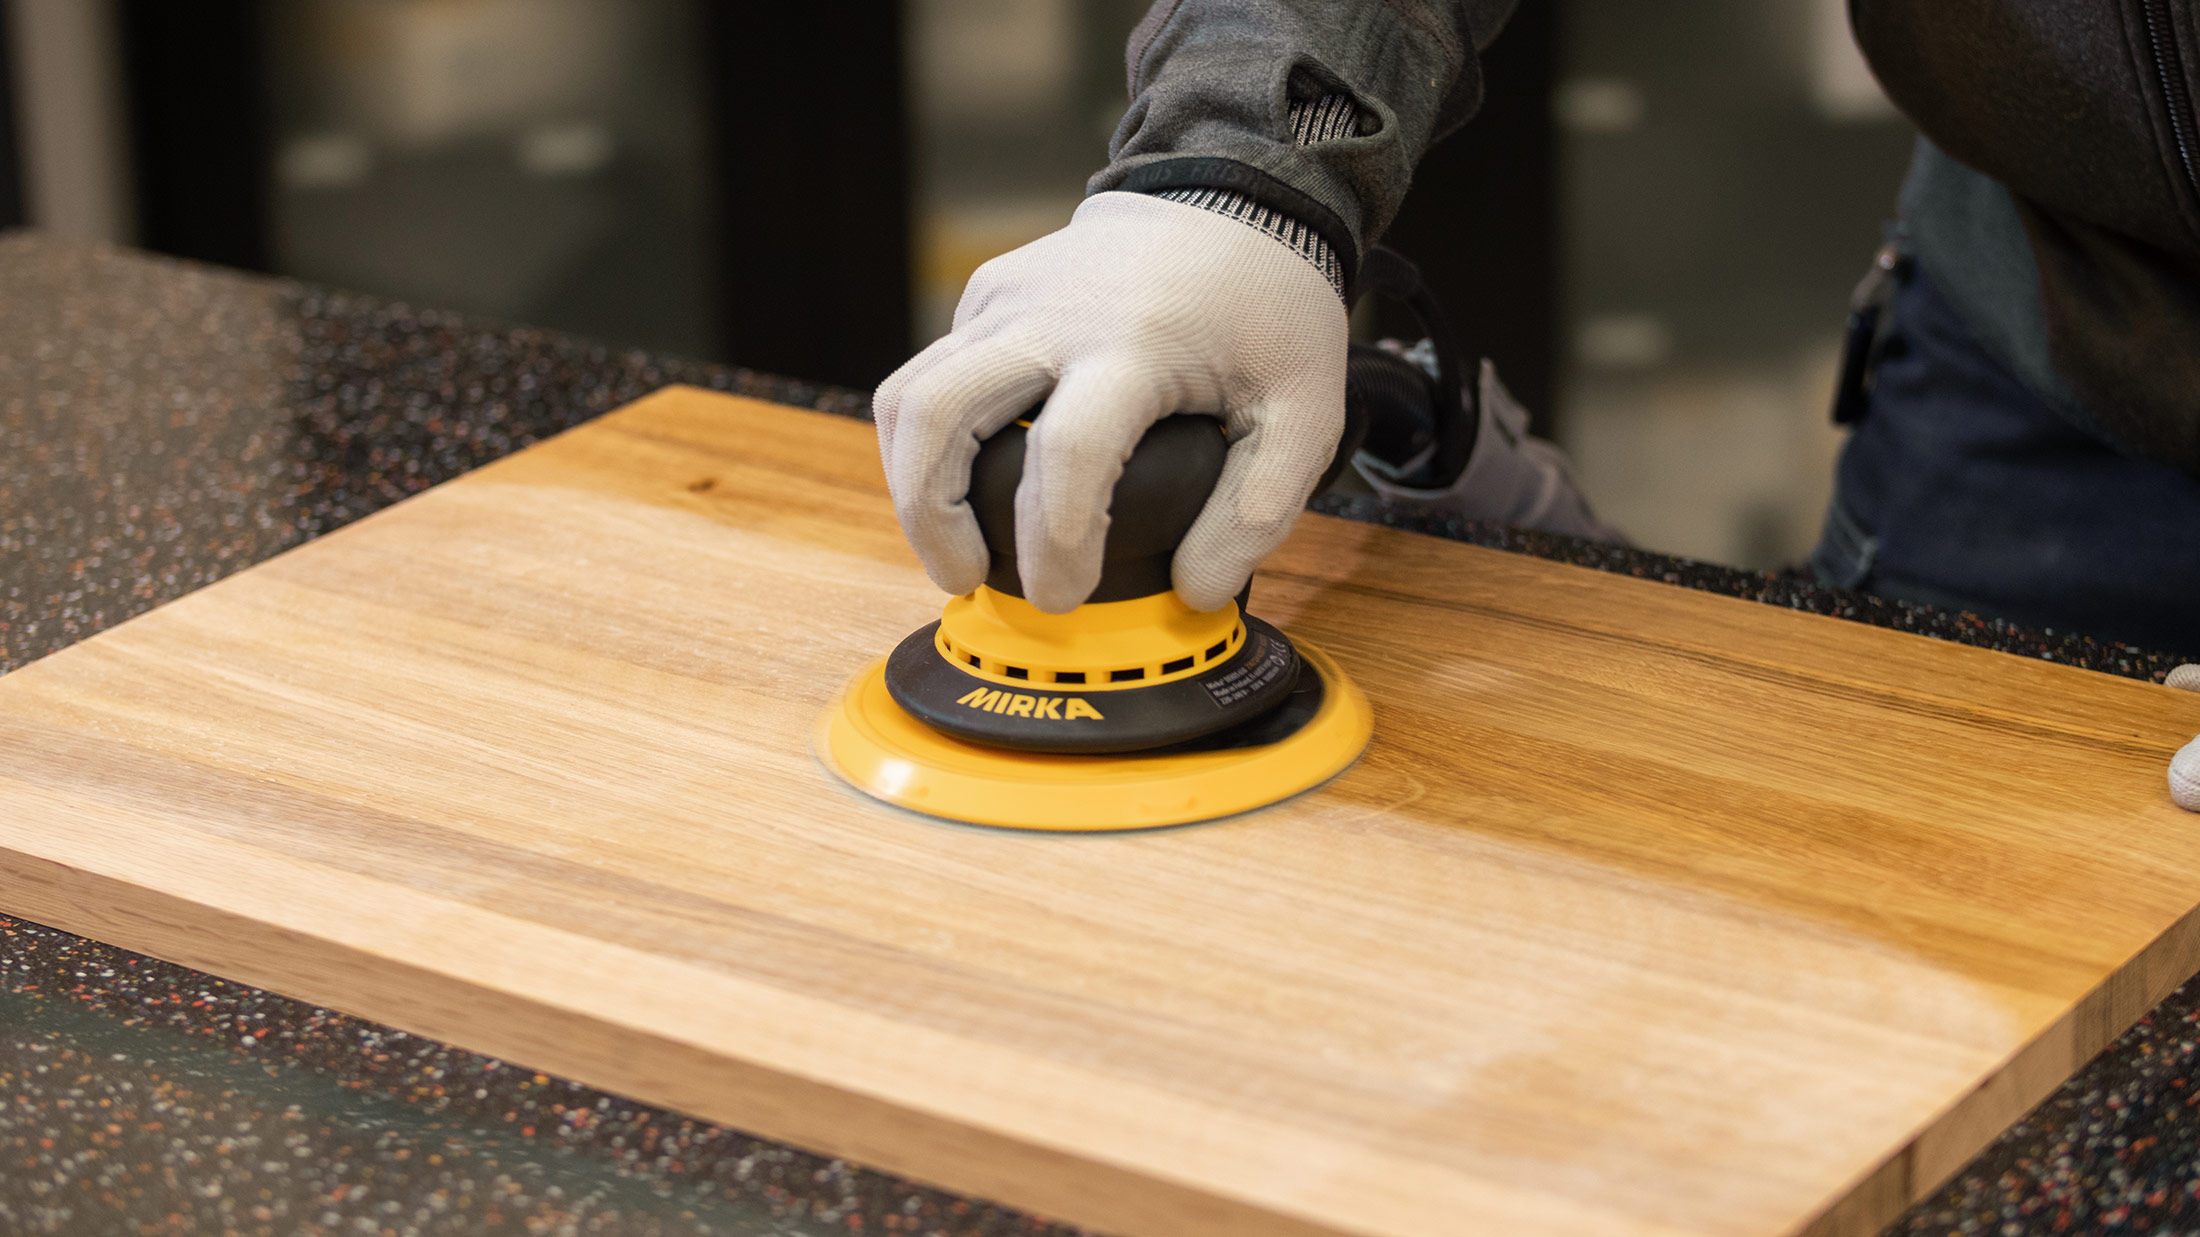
[[1141, 307], [2184, 767]]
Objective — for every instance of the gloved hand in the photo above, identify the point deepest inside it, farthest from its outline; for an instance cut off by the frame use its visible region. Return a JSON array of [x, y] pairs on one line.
[[2184, 767], [1141, 307]]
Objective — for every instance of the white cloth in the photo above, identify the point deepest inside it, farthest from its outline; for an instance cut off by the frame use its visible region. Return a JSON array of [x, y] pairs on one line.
[[1512, 478], [1139, 308], [2184, 767]]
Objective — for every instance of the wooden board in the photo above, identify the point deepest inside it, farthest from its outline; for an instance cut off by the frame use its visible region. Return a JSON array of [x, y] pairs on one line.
[[1648, 911]]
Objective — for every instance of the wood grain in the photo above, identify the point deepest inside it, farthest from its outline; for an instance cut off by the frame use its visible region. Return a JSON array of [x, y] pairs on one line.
[[1648, 912]]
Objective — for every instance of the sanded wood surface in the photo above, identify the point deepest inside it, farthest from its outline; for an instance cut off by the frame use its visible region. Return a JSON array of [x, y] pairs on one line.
[[1647, 911]]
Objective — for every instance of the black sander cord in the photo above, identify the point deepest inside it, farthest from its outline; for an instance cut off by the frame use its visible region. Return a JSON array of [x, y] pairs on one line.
[[1392, 406]]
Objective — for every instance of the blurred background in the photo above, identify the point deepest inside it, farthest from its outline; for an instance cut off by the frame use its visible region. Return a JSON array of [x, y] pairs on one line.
[[1652, 228]]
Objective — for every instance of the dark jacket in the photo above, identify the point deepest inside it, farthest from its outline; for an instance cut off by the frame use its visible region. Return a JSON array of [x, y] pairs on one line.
[[1212, 83], [2080, 111], [2083, 110]]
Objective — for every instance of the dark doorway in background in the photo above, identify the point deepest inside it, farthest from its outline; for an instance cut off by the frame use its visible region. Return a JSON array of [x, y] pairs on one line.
[[673, 174]]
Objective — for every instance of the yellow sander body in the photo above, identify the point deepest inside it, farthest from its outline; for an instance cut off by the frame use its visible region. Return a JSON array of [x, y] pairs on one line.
[[1131, 711]]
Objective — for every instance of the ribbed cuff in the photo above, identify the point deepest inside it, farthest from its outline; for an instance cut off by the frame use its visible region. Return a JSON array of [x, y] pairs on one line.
[[1301, 239], [1317, 120]]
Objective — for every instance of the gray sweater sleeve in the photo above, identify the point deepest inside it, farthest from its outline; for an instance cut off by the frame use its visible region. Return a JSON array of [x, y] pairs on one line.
[[1212, 84]]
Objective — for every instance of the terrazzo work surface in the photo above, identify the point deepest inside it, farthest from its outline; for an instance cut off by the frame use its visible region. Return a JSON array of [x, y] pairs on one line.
[[163, 425]]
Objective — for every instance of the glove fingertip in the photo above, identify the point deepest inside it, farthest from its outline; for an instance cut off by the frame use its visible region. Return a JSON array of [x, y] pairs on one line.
[[1058, 587], [1207, 598], [948, 544], [956, 578], [1208, 575]]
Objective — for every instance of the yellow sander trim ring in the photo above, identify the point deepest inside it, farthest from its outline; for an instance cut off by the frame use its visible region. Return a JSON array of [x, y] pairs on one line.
[[1102, 646]]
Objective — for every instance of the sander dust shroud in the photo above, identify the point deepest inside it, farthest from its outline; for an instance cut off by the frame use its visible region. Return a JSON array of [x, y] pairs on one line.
[[1134, 710]]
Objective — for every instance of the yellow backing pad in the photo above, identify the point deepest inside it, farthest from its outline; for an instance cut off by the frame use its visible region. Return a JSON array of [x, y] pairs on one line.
[[882, 751]]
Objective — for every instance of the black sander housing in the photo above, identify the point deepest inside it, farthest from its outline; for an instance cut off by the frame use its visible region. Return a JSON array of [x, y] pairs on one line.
[[1167, 679]]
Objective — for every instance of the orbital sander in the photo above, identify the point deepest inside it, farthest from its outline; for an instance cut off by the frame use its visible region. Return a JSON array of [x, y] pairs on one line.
[[1133, 710]]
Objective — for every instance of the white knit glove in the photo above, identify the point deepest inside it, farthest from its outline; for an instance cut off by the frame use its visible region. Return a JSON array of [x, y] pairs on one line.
[[1139, 308], [2184, 767]]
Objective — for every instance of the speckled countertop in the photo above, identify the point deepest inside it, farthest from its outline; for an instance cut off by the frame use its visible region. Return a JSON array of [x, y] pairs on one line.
[[163, 425]]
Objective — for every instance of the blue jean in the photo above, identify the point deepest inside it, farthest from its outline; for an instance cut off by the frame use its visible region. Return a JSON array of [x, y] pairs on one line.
[[1959, 488]]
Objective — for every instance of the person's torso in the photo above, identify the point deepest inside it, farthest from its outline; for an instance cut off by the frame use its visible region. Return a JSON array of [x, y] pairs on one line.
[[2084, 107], [2085, 111]]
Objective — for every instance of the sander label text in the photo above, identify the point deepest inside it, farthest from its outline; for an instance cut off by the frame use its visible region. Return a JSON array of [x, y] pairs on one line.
[[1058, 708]]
